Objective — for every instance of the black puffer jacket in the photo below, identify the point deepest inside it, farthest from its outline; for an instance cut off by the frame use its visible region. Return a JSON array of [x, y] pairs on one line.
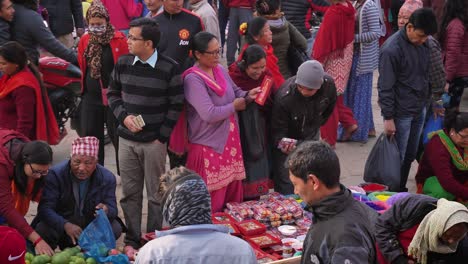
[[342, 232], [298, 12], [298, 117]]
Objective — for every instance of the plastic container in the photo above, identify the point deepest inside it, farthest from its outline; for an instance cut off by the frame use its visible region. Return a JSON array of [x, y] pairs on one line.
[[251, 227], [263, 241], [287, 230], [288, 250]]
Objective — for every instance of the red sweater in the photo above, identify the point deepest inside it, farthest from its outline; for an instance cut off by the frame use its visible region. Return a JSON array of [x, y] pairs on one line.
[[121, 12], [7, 202], [437, 161], [17, 111], [455, 52]]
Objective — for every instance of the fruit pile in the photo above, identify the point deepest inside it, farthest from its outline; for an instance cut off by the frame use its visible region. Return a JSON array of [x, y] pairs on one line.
[[67, 256]]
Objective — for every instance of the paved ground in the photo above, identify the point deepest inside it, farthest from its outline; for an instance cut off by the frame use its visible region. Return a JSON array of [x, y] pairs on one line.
[[352, 159]]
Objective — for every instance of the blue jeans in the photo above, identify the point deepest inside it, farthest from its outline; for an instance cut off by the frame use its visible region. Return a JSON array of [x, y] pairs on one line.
[[310, 43], [408, 132]]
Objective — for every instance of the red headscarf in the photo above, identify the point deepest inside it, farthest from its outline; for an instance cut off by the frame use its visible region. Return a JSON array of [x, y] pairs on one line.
[[336, 30]]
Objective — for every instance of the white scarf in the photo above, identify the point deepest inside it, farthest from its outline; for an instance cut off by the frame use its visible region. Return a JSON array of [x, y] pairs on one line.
[[432, 227]]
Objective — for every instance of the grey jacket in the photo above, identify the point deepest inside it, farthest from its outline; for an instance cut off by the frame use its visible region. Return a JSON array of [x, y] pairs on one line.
[[284, 36], [29, 30], [64, 15], [403, 84], [342, 232]]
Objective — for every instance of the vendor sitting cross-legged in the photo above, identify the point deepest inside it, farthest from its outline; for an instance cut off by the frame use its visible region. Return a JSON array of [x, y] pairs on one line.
[[443, 169], [73, 191]]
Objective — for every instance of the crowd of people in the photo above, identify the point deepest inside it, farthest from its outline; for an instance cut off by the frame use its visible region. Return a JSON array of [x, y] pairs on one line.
[[153, 78]]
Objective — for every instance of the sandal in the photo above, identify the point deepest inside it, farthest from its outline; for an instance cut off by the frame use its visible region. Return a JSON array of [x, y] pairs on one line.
[[349, 133]]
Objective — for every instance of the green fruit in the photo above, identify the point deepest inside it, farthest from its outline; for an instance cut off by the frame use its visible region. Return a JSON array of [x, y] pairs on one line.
[[80, 255], [29, 256], [80, 261], [61, 258], [91, 261]]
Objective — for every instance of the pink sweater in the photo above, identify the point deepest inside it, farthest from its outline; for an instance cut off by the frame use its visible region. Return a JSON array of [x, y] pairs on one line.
[[121, 12]]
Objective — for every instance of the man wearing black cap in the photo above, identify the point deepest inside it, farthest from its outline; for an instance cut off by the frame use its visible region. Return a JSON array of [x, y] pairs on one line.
[[302, 104]]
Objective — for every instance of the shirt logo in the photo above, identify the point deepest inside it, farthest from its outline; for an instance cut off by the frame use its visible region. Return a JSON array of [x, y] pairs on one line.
[[184, 35], [10, 258]]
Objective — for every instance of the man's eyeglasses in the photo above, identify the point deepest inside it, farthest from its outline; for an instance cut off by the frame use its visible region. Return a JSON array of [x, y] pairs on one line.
[[38, 172], [214, 53], [132, 38]]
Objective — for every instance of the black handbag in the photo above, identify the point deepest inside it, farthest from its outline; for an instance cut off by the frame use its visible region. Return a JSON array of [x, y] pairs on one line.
[[295, 58]]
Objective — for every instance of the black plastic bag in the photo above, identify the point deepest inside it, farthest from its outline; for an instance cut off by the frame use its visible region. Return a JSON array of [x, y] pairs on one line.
[[383, 163]]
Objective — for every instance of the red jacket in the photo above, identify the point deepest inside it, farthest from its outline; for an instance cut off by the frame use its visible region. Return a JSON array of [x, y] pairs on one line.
[[118, 45], [455, 50], [7, 204], [121, 12]]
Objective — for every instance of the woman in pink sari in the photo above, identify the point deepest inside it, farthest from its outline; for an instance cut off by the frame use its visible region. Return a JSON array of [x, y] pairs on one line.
[[214, 149]]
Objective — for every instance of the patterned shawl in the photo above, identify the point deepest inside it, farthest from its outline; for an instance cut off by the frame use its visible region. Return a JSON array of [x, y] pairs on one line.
[[93, 52]]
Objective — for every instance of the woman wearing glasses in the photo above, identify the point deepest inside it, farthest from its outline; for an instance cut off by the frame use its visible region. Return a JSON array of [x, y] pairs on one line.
[[214, 149], [443, 169], [98, 51], [23, 166]]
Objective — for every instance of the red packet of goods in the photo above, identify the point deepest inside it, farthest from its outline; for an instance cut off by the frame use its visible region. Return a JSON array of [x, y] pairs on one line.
[[263, 241], [265, 90], [232, 227], [221, 217], [251, 227]]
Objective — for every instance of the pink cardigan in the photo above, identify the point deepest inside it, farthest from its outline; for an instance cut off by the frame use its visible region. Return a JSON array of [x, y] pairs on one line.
[[121, 12]]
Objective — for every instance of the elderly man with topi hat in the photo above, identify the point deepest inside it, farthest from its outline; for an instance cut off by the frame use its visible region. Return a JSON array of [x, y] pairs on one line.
[[302, 104], [73, 191]]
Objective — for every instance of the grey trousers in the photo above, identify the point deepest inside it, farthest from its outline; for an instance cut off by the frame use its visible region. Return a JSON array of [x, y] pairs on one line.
[[237, 16], [141, 163]]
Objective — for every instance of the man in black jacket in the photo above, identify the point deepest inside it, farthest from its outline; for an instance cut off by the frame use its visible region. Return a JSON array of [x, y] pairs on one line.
[[403, 86], [343, 228], [302, 104], [64, 16]]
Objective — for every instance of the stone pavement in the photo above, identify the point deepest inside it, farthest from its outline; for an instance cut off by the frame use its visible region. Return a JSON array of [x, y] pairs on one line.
[[352, 157]]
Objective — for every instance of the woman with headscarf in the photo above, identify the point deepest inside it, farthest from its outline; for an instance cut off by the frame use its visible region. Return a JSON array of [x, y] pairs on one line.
[[192, 238], [422, 229], [333, 47], [98, 51]]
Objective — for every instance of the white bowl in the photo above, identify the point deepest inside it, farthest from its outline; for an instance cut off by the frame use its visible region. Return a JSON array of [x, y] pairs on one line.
[[287, 230]]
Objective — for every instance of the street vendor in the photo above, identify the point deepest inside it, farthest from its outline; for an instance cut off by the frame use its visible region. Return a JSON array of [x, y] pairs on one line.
[[422, 229], [192, 237], [23, 165], [343, 228], [73, 191]]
